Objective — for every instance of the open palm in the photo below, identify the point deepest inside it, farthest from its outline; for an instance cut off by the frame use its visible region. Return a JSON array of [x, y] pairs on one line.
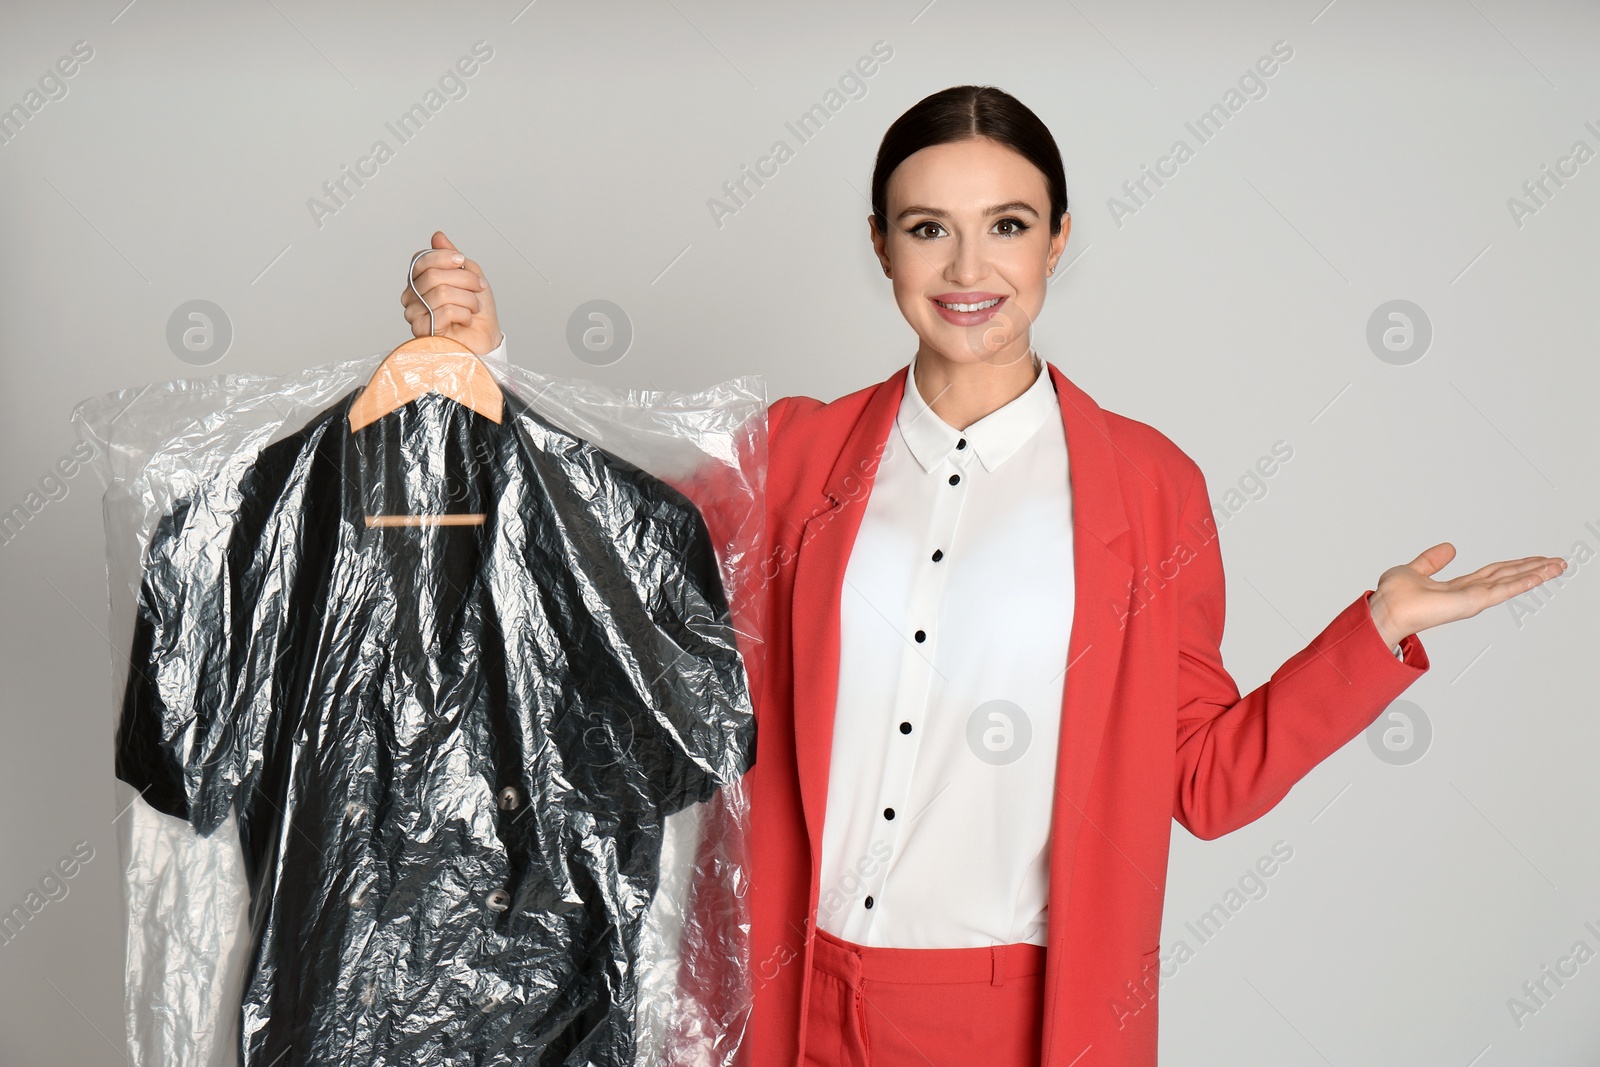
[[1408, 599]]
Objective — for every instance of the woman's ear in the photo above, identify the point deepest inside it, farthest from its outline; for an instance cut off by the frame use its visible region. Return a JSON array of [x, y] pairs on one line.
[[879, 244], [1058, 243]]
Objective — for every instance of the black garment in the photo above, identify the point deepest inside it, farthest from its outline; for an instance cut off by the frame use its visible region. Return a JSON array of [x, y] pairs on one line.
[[451, 748]]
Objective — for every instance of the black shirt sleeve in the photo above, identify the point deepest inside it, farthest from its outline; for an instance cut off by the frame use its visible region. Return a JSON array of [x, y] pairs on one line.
[[179, 741], [696, 730], [705, 694], [177, 682], [152, 738]]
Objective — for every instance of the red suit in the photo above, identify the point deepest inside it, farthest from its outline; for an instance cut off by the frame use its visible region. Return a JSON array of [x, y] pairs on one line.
[[1153, 726]]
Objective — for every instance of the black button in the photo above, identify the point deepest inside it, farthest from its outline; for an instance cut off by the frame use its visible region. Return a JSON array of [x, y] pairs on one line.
[[888, 813], [922, 635], [869, 902], [905, 728], [961, 443], [954, 478], [938, 554]]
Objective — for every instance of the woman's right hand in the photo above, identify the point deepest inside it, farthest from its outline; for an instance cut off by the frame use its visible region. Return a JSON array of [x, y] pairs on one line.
[[462, 302]]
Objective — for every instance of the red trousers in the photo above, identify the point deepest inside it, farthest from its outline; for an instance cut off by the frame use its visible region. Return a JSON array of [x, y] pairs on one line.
[[924, 1007]]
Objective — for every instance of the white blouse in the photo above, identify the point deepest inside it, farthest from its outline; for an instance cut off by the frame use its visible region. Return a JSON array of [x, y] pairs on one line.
[[954, 620]]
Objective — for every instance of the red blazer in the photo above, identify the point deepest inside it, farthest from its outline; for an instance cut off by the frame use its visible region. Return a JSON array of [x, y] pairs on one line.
[[1153, 727]]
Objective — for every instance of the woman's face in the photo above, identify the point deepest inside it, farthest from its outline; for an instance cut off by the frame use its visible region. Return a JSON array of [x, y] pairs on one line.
[[969, 225]]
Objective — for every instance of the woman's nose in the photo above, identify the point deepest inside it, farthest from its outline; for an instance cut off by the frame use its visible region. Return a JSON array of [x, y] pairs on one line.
[[966, 265]]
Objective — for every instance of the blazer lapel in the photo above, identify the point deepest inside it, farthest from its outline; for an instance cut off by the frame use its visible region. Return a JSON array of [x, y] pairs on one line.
[[820, 561], [1103, 581]]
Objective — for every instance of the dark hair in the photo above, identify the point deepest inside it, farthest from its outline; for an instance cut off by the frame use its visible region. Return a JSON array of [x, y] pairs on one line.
[[961, 113]]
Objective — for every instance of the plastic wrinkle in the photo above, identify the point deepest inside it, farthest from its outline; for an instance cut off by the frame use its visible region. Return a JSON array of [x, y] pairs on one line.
[[459, 789]]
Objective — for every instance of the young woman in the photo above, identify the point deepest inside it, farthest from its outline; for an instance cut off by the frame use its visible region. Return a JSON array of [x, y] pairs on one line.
[[993, 676]]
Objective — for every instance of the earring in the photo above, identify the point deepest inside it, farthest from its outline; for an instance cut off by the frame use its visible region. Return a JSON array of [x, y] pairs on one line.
[[1052, 269], [886, 272]]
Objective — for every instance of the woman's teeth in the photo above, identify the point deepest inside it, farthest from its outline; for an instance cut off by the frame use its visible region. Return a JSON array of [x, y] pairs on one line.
[[969, 307]]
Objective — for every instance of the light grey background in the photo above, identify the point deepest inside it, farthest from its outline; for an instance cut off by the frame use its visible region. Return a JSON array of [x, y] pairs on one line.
[[1230, 311]]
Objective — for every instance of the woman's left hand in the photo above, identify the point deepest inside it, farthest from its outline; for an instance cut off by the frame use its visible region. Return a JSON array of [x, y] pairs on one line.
[[1408, 601]]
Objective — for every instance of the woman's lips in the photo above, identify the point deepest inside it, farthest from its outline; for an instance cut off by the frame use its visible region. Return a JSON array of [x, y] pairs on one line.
[[993, 301]]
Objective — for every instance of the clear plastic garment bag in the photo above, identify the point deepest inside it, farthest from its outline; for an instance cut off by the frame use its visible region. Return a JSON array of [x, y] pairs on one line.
[[429, 731]]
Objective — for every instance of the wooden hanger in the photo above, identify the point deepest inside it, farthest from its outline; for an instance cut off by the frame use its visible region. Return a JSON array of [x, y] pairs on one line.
[[422, 365]]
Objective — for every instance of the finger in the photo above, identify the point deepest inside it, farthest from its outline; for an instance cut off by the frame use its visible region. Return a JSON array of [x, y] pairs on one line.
[[442, 295], [449, 315], [1513, 580], [448, 275], [1433, 559], [442, 242], [470, 266], [438, 259], [442, 311], [1515, 585], [437, 281], [440, 280], [1505, 567], [1541, 566]]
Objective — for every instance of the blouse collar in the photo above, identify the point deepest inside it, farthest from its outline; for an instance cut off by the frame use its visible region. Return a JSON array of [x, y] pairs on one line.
[[995, 437]]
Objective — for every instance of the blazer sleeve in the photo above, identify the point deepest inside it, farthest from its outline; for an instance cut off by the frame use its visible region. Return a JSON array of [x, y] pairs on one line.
[[775, 413], [1238, 756]]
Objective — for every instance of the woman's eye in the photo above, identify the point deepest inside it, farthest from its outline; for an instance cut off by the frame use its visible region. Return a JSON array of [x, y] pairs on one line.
[[1018, 224], [915, 231]]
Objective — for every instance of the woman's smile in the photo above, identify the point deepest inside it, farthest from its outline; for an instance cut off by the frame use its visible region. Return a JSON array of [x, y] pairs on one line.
[[967, 309]]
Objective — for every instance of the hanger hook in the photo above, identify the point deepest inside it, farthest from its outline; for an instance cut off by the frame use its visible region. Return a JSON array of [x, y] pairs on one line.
[[411, 279]]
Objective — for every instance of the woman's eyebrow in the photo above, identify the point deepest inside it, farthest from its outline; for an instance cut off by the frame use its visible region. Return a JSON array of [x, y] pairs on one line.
[[1014, 205]]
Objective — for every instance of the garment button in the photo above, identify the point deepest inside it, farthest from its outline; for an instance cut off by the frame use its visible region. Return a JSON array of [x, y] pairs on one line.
[[869, 902], [922, 635], [954, 478], [499, 900], [888, 813], [509, 798], [938, 554], [961, 443], [905, 728]]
